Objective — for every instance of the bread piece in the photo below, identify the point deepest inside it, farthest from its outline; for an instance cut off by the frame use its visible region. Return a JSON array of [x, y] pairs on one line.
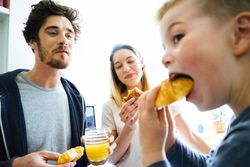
[[172, 91], [72, 154], [136, 93]]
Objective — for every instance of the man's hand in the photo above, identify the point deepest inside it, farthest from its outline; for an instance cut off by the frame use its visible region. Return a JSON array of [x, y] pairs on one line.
[[38, 159]]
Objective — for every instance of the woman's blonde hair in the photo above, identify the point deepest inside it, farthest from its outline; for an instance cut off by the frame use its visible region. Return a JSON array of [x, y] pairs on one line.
[[116, 86]]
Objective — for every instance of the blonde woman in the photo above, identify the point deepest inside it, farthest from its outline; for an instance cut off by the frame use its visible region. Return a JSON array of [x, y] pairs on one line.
[[127, 72]]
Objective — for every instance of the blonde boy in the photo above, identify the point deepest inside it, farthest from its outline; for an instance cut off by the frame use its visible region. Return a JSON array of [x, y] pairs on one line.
[[209, 41]]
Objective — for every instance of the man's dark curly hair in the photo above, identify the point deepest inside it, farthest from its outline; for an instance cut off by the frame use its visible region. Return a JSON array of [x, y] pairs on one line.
[[41, 11]]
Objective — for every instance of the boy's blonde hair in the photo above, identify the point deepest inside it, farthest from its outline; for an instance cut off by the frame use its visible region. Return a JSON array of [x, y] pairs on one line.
[[221, 10]]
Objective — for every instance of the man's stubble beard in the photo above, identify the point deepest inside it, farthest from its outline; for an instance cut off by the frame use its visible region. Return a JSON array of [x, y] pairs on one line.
[[50, 60]]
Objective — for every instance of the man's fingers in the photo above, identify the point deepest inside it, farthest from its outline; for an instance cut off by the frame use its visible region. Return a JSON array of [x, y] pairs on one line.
[[82, 139], [47, 155]]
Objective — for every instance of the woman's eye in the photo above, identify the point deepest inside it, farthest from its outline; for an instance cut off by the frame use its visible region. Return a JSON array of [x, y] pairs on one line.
[[131, 61], [118, 66], [177, 38]]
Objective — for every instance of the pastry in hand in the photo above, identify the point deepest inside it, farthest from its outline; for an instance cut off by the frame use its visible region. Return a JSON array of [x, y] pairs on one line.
[[136, 93], [70, 155], [173, 90]]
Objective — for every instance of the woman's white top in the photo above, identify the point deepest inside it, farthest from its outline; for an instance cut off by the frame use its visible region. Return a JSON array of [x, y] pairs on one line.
[[111, 119]]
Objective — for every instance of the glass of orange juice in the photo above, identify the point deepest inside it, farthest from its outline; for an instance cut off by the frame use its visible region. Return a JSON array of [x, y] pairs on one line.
[[96, 145]]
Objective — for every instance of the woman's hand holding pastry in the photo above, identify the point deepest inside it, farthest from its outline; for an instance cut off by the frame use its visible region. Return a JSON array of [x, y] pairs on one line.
[[128, 113]]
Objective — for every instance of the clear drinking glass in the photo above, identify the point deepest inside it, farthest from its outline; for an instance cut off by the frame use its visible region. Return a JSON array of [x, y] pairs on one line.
[[96, 145]]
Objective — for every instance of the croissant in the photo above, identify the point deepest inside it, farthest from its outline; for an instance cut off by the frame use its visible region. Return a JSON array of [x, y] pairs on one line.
[[136, 93], [72, 154], [173, 90]]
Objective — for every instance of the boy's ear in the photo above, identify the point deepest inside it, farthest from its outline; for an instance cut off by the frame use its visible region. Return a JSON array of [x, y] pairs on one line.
[[242, 34]]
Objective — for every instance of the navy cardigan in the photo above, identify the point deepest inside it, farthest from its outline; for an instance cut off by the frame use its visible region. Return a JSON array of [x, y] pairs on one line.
[[13, 139]]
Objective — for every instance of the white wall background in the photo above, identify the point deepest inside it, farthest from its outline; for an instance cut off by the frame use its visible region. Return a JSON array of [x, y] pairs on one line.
[[104, 24]]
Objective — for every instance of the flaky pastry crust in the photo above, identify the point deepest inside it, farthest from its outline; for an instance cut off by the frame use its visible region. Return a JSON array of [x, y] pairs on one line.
[[172, 91], [70, 155], [136, 93]]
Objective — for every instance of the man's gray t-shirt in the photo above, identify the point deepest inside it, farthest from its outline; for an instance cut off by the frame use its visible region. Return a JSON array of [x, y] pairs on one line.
[[46, 113]]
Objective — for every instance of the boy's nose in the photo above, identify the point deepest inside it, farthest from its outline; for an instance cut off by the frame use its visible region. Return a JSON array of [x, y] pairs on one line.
[[167, 59]]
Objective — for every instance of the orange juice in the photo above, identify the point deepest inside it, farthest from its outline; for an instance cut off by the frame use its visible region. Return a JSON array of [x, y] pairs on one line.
[[97, 152], [96, 146]]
